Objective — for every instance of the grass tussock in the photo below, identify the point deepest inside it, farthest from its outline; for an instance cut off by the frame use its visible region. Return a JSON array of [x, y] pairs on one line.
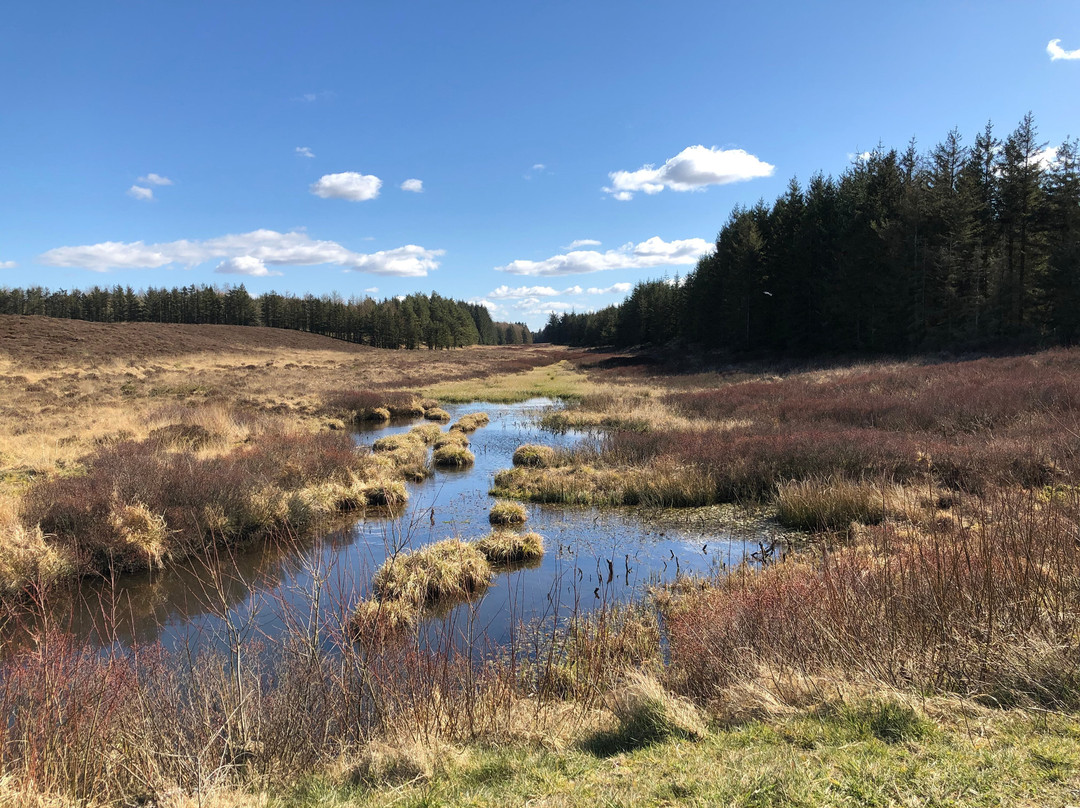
[[829, 504], [647, 713], [533, 455], [453, 456], [507, 513], [448, 570], [504, 547], [437, 414], [379, 621], [454, 438], [471, 422]]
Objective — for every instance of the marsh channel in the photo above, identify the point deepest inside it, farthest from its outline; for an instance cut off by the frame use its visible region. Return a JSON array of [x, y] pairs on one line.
[[594, 557]]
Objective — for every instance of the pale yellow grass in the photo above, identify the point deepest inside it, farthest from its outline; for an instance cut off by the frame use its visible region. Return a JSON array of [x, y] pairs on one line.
[[558, 380]]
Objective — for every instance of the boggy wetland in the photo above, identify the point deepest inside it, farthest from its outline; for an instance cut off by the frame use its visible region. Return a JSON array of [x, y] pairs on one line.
[[266, 567]]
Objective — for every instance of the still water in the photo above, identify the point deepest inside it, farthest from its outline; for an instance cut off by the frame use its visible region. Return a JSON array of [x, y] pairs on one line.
[[594, 557]]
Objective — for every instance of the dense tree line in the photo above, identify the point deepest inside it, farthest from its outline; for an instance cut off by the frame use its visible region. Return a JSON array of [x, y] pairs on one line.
[[409, 322], [959, 247]]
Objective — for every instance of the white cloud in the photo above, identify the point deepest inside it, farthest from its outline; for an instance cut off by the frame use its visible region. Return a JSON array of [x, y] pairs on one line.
[[304, 151], [310, 98], [539, 167], [349, 185], [1053, 47], [582, 242], [8, 265], [1046, 158], [269, 246], [692, 169], [861, 157], [490, 306], [372, 290], [654, 252], [137, 192], [615, 288], [414, 185], [399, 298], [505, 292], [245, 265], [155, 179]]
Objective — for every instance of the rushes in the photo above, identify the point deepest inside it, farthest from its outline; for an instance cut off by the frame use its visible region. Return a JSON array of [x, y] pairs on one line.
[[446, 570], [828, 504], [504, 547], [507, 513]]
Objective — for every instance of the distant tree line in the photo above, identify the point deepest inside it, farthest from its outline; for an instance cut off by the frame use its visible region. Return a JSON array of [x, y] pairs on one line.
[[960, 247], [410, 322]]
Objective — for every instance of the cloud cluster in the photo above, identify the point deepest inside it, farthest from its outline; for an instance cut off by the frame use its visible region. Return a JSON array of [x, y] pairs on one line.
[[1053, 47], [654, 252], [268, 247], [144, 193], [245, 265], [507, 293], [414, 185], [350, 185], [692, 169]]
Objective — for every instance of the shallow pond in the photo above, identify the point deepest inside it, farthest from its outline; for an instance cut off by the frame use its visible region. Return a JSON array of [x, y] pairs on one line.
[[594, 557]]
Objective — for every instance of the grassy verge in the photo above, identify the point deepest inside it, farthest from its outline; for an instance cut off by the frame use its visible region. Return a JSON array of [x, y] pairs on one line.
[[868, 753]]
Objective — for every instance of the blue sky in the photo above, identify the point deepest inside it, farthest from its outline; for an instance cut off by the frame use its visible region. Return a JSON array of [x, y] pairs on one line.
[[563, 150]]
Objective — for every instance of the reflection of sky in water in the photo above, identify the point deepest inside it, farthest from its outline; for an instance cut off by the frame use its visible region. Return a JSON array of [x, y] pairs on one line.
[[593, 556]]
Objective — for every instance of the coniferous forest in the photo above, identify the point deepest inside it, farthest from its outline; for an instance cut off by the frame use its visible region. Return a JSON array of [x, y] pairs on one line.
[[968, 245], [410, 322]]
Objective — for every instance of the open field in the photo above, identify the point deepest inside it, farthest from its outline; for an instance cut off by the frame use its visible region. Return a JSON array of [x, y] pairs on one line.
[[919, 646]]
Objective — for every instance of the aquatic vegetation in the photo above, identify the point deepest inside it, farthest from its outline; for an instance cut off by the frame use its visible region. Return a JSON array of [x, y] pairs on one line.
[[471, 422], [507, 513], [534, 456], [447, 570], [502, 547], [451, 456]]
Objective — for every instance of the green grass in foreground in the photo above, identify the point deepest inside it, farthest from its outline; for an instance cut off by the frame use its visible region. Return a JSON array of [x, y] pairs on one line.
[[875, 754], [560, 380]]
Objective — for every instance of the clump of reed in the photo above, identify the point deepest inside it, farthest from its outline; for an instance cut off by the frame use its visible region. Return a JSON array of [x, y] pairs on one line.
[[448, 570], [471, 422], [407, 452], [437, 414], [451, 456], [828, 504], [647, 713], [378, 620], [454, 438], [507, 513], [27, 557], [505, 547], [534, 455]]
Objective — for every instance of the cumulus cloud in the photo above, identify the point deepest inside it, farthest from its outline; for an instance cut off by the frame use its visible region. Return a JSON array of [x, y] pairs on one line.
[[504, 292], [692, 169], [582, 242], [138, 192], [8, 265], [414, 185], [1046, 158], [1053, 47], [155, 179], [304, 151], [372, 290], [245, 265], [615, 288], [350, 185], [268, 246], [654, 252]]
